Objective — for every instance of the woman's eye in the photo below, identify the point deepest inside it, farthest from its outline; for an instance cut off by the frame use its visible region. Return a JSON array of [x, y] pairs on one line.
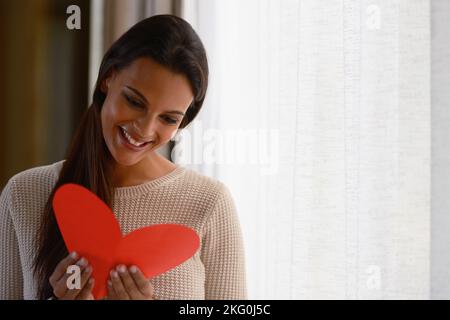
[[170, 120], [133, 102]]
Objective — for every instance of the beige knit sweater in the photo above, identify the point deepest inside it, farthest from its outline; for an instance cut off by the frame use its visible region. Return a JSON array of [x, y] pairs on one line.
[[216, 271]]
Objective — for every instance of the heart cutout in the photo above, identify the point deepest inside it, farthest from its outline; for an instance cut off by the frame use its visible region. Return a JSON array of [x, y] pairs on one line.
[[89, 227]]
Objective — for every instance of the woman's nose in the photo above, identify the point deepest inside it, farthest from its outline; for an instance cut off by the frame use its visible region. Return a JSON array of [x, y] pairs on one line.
[[147, 127]]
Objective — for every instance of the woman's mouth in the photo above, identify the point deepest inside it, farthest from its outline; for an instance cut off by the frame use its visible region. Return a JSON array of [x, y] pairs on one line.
[[131, 143]]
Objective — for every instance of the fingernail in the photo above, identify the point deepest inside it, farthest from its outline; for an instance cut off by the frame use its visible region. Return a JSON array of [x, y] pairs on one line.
[[82, 262], [89, 269], [133, 269], [114, 274], [121, 269], [109, 283], [73, 255], [91, 280]]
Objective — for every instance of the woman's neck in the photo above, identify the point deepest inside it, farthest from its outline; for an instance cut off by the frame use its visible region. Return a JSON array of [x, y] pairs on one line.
[[146, 170]]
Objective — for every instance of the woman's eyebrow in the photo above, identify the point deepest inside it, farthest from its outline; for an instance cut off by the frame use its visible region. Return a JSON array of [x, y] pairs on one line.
[[145, 100]]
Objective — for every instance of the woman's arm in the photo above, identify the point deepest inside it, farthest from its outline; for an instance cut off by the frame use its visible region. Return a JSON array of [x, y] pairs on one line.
[[223, 251], [11, 282]]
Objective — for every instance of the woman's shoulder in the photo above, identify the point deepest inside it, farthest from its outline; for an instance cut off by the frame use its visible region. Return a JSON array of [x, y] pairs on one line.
[[200, 183], [42, 173], [35, 180], [27, 192]]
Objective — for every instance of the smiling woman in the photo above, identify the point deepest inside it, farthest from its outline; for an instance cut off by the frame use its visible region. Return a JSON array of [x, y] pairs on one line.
[[137, 117], [151, 83]]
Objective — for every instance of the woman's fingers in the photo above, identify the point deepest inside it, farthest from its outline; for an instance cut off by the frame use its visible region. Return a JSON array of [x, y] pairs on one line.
[[61, 268], [86, 292], [85, 277], [82, 264], [142, 283], [61, 290], [111, 293], [129, 284], [118, 286], [60, 287], [90, 295], [124, 284]]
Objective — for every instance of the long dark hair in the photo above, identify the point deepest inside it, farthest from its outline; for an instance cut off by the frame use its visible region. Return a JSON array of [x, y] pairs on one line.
[[171, 42]]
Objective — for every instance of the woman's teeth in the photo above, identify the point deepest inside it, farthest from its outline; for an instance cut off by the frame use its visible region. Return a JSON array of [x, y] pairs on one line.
[[131, 140]]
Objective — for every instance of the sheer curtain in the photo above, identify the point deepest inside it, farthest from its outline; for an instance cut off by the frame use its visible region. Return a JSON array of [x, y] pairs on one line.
[[318, 121]]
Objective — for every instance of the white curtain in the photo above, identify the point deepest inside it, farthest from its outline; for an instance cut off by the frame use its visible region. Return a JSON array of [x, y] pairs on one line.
[[318, 120]]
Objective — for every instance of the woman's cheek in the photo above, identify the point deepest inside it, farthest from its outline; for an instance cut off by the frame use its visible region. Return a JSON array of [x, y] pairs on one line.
[[173, 134], [169, 135]]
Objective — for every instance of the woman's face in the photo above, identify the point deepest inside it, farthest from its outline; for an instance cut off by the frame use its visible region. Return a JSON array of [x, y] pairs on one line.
[[144, 106]]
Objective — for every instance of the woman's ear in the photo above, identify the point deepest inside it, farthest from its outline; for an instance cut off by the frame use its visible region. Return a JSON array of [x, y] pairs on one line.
[[104, 87]]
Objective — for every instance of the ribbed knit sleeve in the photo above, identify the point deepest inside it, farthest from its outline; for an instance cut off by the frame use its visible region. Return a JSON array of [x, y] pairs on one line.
[[222, 251], [11, 280]]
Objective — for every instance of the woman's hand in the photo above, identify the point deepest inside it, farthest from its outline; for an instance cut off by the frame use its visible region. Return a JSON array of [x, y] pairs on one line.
[[129, 284], [58, 279]]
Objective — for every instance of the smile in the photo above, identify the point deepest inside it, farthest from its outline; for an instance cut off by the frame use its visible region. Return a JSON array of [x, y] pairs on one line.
[[136, 145]]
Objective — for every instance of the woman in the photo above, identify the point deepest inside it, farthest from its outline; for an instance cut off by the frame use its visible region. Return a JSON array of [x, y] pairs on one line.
[[151, 82]]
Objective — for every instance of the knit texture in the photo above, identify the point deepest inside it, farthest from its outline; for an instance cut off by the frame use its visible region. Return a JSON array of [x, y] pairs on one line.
[[216, 271]]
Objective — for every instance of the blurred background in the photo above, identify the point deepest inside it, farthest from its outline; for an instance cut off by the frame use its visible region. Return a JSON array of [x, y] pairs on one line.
[[43, 84], [328, 120]]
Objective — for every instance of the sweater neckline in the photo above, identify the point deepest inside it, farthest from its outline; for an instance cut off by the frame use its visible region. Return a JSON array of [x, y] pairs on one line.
[[142, 188]]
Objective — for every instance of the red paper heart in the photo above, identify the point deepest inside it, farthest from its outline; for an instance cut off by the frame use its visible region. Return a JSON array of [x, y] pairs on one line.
[[89, 227]]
